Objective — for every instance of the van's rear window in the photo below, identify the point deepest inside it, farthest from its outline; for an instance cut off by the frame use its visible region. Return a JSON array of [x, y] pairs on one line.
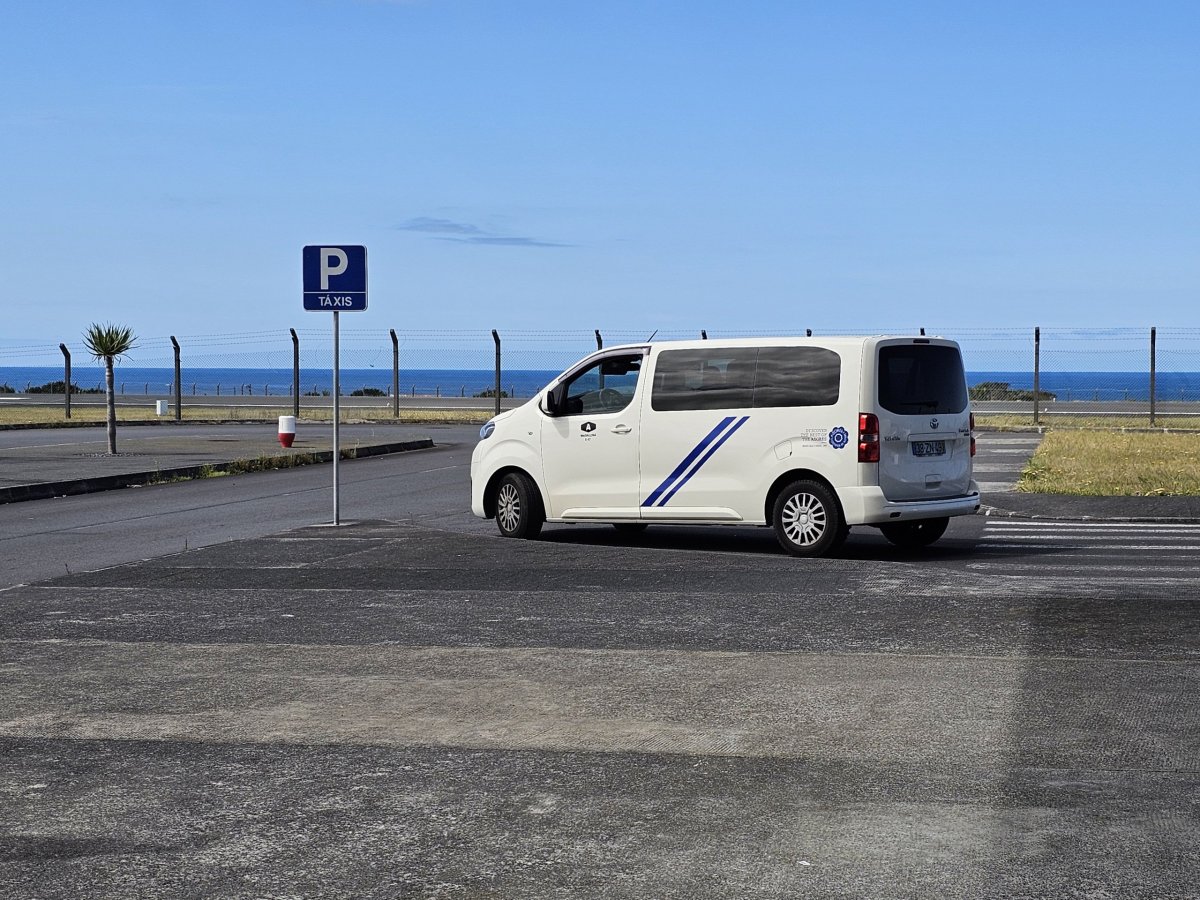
[[921, 379], [744, 377]]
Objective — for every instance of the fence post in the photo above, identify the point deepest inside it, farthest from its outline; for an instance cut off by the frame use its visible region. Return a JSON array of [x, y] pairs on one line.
[[395, 374], [295, 373], [599, 340], [178, 383], [1037, 367], [1153, 341], [66, 379], [496, 338]]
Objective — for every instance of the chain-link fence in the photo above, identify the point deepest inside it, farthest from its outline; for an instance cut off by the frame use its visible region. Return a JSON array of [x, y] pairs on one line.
[[1038, 375]]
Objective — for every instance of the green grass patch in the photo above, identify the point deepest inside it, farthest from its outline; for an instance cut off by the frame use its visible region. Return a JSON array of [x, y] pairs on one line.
[[261, 463], [1091, 464]]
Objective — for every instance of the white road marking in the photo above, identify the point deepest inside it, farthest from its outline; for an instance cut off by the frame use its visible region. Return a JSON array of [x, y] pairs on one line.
[[1029, 545], [1047, 523], [1135, 543], [1173, 570], [1071, 534]]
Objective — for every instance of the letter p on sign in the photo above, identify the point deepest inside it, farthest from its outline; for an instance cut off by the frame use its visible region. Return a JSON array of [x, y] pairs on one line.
[[333, 262]]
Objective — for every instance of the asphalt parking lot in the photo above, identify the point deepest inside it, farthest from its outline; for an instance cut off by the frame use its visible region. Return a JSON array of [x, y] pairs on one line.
[[428, 710]]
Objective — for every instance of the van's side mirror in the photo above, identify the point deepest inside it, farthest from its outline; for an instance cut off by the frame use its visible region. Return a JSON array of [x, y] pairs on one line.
[[554, 399]]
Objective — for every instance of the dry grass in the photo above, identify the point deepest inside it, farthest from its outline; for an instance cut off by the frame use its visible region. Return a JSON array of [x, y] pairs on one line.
[[1090, 423], [47, 415], [1109, 464]]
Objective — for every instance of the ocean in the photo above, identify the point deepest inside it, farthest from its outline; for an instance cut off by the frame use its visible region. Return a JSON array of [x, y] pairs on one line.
[[278, 382], [1109, 386], [520, 383]]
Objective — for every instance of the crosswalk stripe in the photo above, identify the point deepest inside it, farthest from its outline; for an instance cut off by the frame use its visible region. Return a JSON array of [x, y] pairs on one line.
[[1098, 535], [1030, 545], [1177, 571], [1093, 538], [1129, 538], [1045, 524], [1184, 566]]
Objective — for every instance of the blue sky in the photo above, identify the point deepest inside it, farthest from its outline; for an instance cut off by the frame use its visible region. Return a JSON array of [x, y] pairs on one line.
[[559, 165]]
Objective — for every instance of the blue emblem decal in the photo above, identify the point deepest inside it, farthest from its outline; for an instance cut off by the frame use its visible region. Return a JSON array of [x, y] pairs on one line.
[[838, 438]]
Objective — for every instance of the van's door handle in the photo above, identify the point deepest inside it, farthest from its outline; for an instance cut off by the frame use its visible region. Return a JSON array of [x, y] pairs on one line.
[[621, 429]]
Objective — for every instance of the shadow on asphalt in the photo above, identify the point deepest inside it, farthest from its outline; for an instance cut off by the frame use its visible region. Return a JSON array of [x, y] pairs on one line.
[[864, 544]]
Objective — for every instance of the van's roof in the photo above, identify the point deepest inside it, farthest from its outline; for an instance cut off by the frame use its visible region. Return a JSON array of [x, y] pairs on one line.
[[833, 342]]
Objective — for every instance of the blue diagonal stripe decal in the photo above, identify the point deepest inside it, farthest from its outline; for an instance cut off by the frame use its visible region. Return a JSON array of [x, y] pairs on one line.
[[687, 461], [691, 464], [703, 459]]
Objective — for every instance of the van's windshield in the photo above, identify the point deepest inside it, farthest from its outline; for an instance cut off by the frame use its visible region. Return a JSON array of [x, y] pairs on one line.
[[921, 379]]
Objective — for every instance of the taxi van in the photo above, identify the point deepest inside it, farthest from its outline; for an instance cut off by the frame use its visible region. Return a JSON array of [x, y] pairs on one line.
[[809, 436]]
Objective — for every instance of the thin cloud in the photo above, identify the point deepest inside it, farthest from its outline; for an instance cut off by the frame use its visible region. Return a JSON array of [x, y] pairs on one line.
[[439, 226], [506, 241], [466, 233]]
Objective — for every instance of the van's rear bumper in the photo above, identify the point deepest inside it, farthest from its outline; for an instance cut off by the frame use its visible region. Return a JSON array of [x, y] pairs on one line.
[[868, 506]]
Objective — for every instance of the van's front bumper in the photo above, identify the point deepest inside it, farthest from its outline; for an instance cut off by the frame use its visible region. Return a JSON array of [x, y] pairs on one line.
[[477, 484], [868, 506]]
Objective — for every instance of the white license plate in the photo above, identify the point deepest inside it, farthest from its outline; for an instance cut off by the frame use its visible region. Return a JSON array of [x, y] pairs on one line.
[[929, 448]]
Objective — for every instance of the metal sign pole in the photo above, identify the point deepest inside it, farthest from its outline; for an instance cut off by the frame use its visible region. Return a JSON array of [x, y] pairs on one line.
[[335, 278], [337, 419]]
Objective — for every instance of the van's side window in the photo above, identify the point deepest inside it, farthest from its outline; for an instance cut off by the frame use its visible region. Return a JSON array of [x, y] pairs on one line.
[[797, 376], [607, 386], [744, 377]]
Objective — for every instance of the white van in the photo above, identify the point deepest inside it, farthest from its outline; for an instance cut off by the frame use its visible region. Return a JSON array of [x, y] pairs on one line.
[[808, 435]]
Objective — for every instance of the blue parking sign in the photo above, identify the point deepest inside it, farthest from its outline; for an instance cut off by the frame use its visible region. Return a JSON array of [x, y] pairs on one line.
[[335, 278]]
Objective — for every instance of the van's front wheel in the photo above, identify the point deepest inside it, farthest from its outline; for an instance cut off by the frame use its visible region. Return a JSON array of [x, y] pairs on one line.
[[914, 535], [807, 519], [518, 506]]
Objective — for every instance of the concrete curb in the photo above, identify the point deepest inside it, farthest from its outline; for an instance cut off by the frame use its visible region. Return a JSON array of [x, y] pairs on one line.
[[136, 423], [49, 489], [169, 423]]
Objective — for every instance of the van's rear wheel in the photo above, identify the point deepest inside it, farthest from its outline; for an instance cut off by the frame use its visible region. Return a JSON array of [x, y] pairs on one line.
[[914, 535], [807, 519], [519, 512]]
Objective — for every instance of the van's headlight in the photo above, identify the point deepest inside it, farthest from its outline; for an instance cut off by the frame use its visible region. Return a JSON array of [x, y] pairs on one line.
[[486, 431]]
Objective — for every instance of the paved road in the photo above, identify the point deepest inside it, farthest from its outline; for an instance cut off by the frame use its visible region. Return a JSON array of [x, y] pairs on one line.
[[72, 534], [389, 711], [41, 463], [428, 710]]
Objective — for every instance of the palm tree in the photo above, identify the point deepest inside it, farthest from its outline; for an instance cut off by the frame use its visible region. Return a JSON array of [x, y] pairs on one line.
[[107, 342]]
